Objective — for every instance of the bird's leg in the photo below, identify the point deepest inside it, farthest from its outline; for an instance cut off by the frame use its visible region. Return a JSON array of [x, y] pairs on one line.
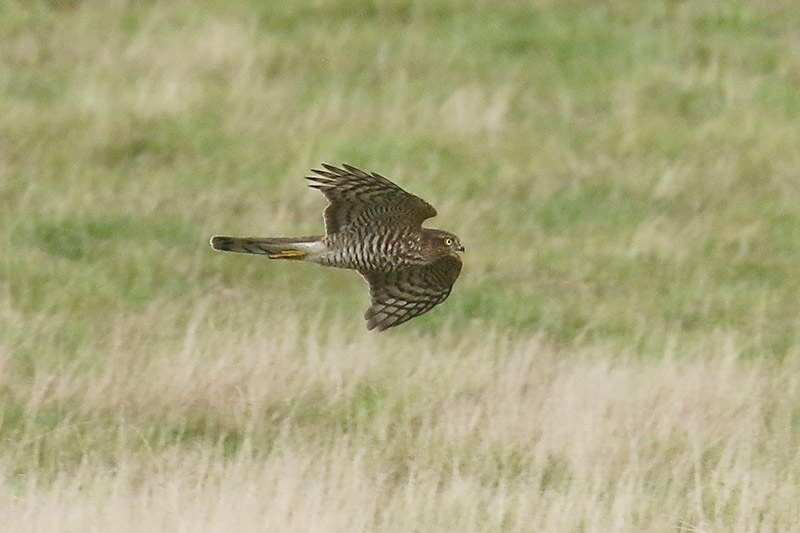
[[288, 254]]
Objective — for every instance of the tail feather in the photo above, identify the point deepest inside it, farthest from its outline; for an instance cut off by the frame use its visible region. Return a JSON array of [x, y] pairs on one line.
[[298, 248]]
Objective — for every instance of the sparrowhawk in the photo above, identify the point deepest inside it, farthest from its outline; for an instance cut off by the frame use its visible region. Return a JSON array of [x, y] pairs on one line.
[[374, 227]]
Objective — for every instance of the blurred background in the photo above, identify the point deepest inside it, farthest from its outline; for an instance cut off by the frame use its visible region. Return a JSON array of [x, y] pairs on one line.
[[624, 176]]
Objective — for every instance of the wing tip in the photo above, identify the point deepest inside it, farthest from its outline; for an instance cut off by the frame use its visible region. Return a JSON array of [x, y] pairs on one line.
[[332, 171], [377, 319], [355, 171], [318, 182]]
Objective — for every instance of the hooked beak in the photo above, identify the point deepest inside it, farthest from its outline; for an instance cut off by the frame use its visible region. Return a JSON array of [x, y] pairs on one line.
[[460, 248]]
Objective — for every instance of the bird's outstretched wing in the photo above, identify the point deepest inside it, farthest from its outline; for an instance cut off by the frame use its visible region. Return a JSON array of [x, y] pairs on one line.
[[360, 202], [399, 296]]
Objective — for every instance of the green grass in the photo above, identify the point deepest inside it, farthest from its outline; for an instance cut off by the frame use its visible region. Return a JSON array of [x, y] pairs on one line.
[[617, 354]]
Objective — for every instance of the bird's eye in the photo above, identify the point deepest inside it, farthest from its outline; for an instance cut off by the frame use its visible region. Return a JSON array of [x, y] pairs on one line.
[[448, 241]]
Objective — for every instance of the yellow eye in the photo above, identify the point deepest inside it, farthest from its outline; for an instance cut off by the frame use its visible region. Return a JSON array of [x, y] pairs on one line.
[[448, 241]]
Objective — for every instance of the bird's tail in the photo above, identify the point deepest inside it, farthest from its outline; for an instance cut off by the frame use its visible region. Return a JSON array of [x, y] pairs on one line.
[[298, 248]]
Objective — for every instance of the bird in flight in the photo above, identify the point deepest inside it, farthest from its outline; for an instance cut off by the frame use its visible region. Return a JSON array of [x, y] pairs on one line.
[[375, 227]]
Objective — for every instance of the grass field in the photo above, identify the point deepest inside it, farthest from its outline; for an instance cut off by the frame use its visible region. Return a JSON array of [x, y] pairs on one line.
[[621, 352]]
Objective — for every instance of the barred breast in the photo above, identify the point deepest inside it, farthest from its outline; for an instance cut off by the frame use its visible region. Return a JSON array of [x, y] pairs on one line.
[[388, 250]]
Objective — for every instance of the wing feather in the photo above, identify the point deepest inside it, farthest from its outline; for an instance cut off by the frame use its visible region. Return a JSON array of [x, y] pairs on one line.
[[360, 202], [399, 296]]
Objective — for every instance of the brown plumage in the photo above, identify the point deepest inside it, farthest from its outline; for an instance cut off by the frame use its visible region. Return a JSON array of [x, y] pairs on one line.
[[374, 227]]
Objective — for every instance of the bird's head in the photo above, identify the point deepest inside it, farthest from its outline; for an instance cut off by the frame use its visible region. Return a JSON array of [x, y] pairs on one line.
[[445, 239]]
